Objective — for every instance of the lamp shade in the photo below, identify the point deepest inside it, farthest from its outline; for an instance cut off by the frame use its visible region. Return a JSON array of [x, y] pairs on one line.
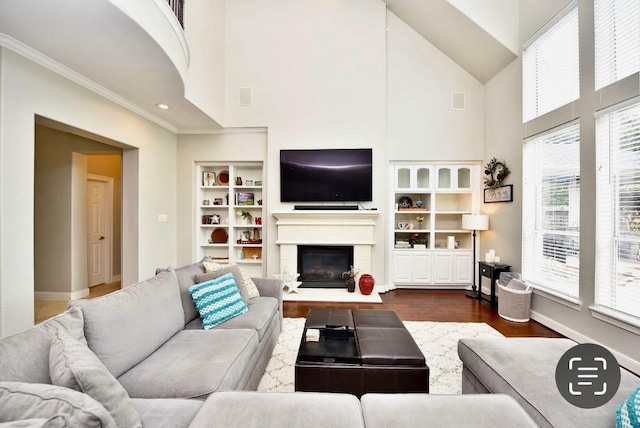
[[475, 222]]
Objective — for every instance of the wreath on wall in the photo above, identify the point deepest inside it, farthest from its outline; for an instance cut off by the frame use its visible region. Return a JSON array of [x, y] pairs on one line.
[[496, 171]]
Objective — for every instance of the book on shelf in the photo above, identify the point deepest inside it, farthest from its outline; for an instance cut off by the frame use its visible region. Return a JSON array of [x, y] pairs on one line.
[[402, 244]]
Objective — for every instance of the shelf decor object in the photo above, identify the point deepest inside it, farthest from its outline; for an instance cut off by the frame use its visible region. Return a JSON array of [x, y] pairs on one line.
[[475, 222]]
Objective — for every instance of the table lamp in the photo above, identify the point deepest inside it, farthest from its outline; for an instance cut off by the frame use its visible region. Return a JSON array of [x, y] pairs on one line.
[[474, 222]]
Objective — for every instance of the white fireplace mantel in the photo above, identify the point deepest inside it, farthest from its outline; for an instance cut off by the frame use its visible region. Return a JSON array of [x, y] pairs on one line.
[[311, 227]]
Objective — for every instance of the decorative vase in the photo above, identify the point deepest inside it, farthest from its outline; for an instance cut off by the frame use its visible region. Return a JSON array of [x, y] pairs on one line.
[[351, 285], [366, 284]]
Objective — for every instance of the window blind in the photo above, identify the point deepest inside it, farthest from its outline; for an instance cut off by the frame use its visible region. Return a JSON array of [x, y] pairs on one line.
[[550, 66], [617, 40], [551, 210], [618, 210]]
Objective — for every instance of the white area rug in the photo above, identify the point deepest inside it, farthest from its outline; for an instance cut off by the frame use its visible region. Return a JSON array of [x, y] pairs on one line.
[[437, 340], [330, 295]]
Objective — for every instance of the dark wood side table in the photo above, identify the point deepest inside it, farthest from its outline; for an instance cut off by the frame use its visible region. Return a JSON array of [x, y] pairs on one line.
[[491, 271]]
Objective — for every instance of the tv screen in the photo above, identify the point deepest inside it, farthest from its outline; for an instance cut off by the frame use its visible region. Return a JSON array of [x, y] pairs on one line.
[[326, 175]]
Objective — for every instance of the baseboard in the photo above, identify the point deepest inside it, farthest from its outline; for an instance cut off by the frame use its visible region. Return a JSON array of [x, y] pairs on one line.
[[55, 295], [626, 362]]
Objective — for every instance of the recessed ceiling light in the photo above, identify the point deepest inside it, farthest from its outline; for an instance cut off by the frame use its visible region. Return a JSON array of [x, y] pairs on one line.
[[163, 106]]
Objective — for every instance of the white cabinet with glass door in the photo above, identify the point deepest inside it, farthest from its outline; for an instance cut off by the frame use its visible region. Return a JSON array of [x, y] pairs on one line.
[[429, 200]]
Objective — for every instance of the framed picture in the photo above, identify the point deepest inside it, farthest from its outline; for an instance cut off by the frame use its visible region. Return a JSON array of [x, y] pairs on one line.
[[208, 178], [248, 182], [217, 201], [499, 194], [244, 198]]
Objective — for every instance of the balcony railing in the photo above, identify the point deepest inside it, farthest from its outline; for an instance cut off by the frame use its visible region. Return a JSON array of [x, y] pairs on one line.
[[178, 9]]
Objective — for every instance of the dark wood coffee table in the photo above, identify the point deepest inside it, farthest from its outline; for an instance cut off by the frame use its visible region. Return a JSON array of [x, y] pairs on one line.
[[359, 351]]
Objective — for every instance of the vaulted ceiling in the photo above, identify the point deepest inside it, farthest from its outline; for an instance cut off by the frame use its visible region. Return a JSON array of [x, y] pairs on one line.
[[477, 34]]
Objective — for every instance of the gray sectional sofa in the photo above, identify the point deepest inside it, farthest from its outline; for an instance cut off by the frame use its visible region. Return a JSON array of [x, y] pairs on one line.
[[149, 338], [524, 368]]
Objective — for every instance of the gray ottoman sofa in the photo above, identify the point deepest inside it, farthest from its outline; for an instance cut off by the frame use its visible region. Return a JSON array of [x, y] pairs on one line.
[[524, 368]]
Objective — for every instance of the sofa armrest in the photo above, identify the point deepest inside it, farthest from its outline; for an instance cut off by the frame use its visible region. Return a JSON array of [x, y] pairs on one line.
[[269, 287]]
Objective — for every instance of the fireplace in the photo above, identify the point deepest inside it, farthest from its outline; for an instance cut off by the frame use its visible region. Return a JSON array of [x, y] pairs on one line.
[[325, 228], [321, 266]]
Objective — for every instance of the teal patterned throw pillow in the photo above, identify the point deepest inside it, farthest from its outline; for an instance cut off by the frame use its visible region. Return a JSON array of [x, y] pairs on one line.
[[628, 413], [217, 300]]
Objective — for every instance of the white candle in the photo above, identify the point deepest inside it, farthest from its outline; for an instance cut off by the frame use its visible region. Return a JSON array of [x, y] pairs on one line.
[[488, 258], [496, 259]]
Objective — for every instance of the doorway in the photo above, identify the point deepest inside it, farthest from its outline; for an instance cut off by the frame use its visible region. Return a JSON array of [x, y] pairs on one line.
[[99, 236], [64, 164]]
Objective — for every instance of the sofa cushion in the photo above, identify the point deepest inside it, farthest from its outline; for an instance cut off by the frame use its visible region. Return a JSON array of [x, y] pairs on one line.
[[429, 410], [628, 412], [166, 413], [186, 278], [250, 409], [258, 317], [237, 275], [24, 357], [217, 300], [524, 368], [198, 362], [21, 400], [125, 327], [252, 290], [74, 366]]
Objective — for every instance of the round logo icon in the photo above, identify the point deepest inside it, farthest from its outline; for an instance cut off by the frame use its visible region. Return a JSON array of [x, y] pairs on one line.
[[588, 375]]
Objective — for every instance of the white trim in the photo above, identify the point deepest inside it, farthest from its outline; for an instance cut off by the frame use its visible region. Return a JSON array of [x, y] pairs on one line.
[[54, 66], [618, 106], [558, 298], [626, 362], [616, 318], [223, 131], [60, 295]]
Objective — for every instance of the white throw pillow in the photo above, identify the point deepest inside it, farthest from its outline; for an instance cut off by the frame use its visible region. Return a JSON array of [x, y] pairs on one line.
[[73, 365], [252, 290]]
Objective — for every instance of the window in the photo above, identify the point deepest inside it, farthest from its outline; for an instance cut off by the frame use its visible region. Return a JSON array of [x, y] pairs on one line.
[[550, 66], [551, 211], [617, 40], [618, 214]]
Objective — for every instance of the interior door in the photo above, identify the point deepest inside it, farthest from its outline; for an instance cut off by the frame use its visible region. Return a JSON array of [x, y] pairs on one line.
[[98, 241]]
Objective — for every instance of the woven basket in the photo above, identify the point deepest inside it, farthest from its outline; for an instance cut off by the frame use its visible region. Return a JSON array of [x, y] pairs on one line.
[[513, 304]]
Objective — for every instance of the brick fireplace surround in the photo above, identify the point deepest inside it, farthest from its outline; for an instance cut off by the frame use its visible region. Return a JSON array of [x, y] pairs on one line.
[[352, 228]]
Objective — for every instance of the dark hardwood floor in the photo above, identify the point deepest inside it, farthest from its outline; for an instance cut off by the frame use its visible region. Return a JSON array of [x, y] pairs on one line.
[[434, 305]]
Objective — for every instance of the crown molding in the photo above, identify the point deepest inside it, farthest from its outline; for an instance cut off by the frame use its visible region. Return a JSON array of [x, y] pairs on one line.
[[224, 131], [69, 74]]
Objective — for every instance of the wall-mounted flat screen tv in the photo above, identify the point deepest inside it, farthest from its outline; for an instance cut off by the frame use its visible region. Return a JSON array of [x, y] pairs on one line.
[[326, 175]]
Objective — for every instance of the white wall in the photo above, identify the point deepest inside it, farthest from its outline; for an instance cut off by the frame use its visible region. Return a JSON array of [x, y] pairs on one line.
[[29, 89], [317, 69], [503, 140], [206, 37], [420, 79]]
